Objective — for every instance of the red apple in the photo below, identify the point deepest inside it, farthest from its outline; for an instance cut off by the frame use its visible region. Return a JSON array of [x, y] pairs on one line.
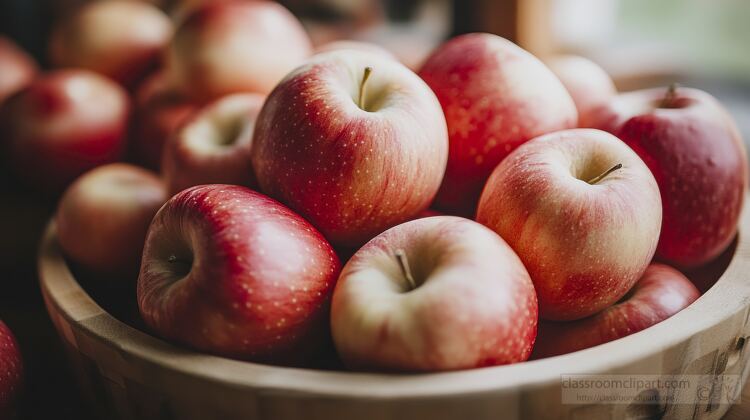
[[659, 294], [120, 39], [213, 146], [353, 152], [583, 213], [495, 96], [103, 216], [158, 111], [11, 371], [232, 272], [354, 45], [17, 69], [696, 153], [588, 84], [236, 46], [63, 124], [438, 293]]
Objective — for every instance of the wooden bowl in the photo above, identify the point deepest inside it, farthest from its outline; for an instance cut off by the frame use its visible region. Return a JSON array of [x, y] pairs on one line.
[[134, 375]]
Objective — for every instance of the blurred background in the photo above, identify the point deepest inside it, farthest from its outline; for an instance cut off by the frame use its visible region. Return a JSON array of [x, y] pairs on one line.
[[640, 43], [695, 37], [703, 43]]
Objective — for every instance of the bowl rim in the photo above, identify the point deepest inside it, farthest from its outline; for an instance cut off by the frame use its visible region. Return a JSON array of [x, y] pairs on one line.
[[728, 295]]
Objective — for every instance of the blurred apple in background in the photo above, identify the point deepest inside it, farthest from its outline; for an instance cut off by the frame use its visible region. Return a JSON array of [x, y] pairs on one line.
[[63, 124], [233, 272], [582, 211], [692, 146], [438, 293], [17, 69], [495, 96], [588, 84], [354, 142], [11, 371], [120, 39], [659, 294], [236, 46], [214, 145], [158, 110], [103, 217], [409, 30], [180, 9], [354, 45], [331, 20]]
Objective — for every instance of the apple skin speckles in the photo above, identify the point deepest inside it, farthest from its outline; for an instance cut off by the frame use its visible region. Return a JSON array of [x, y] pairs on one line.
[[351, 172], [584, 245], [11, 371], [661, 292], [495, 97], [474, 304], [232, 272], [698, 158]]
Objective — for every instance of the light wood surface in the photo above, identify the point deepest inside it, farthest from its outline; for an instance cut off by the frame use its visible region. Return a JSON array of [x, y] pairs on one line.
[[741, 410], [138, 376]]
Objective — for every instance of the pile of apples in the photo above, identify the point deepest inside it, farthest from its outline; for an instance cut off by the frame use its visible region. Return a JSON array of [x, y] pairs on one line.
[[481, 204]]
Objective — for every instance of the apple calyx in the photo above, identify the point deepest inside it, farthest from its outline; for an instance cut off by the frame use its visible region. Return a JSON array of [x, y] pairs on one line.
[[405, 270], [599, 177], [232, 132], [180, 267], [361, 102], [669, 96]]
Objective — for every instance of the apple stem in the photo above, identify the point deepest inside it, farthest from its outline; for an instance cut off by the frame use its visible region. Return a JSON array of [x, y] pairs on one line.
[[669, 96], [405, 270], [366, 76], [598, 178]]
